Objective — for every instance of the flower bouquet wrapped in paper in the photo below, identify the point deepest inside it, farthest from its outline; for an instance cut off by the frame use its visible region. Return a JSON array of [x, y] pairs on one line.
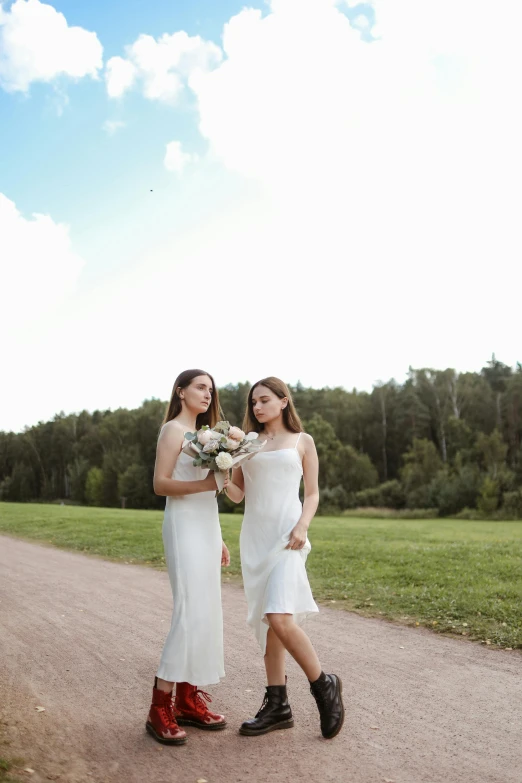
[[221, 448]]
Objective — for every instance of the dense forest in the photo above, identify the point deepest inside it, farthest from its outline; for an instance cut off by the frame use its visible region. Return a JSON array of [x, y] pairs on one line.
[[442, 440]]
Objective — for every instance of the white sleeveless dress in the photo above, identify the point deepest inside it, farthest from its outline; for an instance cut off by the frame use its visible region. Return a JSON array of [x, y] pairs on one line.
[[274, 578], [193, 651]]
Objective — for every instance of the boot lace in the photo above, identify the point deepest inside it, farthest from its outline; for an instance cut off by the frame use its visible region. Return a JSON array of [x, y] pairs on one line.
[[168, 713], [263, 707], [200, 697], [320, 694]]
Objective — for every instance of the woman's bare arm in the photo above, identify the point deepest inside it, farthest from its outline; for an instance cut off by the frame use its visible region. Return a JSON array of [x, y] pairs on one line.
[[311, 495], [168, 450], [236, 488]]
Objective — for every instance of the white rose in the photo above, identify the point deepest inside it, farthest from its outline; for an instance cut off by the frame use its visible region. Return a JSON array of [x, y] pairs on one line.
[[231, 444], [236, 434], [204, 437], [211, 446], [224, 461], [252, 436]]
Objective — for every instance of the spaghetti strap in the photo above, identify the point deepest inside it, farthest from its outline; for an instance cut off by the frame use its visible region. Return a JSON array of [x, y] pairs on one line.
[[297, 441]]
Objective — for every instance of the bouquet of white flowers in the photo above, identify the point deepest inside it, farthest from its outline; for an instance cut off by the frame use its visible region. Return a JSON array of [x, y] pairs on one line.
[[221, 448]]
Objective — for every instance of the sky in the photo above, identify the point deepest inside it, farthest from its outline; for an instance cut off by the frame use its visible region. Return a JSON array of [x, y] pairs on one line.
[[323, 190]]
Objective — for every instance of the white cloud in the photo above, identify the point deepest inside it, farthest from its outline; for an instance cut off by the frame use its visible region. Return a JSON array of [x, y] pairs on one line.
[[38, 267], [389, 176], [402, 153], [113, 126], [362, 199], [175, 159], [37, 45], [120, 75], [160, 66]]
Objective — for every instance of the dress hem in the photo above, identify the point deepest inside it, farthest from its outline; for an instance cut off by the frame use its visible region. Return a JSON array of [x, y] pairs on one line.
[[191, 680], [303, 613]]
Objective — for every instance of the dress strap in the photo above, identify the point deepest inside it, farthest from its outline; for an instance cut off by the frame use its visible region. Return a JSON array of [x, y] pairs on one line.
[[297, 441]]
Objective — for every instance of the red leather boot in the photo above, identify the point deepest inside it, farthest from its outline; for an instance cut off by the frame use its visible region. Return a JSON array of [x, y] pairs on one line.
[[161, 723], [191, 708]]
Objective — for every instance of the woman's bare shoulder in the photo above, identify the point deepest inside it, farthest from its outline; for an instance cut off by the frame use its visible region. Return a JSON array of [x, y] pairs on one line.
[[172, 429], [307, 439]]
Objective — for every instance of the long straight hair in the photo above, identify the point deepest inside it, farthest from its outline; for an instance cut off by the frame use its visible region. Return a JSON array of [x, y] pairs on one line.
[[175, 406], [291, 418]]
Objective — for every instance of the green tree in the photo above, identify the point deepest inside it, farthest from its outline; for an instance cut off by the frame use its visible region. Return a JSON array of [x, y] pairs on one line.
[[387, 495], [20, 486], [473, 422], [328, 447], [489, 496], [512, 504], [493, 452], [452, 490], [77, 472], [340, 466], [461, 438], [513, 414], [497, 374], [114, 463], [233, 399], [134, 486], [354, 471], [422, 462], [477, 407], [94, 487]]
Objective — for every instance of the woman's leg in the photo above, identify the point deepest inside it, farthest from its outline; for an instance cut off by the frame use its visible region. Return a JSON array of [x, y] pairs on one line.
[[274, 659], [161, 721], [326, 688], [294, 639], [275, 712]]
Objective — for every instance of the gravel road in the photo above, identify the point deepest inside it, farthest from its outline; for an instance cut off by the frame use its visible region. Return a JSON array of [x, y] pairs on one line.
[[81, 637]]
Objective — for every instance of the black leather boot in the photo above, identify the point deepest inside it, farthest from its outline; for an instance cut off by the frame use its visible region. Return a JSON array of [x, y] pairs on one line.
[[327, 692], [275, 713]]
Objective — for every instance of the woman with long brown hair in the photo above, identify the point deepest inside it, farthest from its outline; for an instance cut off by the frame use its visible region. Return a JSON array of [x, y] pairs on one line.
[[194, 552], [274, 548]]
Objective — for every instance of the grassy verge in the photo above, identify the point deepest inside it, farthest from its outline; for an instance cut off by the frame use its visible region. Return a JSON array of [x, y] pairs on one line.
[[370, 512], [455, 576], [6, 768]]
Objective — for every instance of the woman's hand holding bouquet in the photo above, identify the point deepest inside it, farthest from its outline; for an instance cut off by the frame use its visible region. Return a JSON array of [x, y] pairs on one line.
[[221, 448]]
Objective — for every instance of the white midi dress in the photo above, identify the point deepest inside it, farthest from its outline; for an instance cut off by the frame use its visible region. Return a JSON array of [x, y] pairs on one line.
[[274, 577], [193, 651]]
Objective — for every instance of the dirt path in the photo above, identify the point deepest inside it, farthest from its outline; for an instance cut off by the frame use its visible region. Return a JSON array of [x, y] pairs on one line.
[[82, 637]]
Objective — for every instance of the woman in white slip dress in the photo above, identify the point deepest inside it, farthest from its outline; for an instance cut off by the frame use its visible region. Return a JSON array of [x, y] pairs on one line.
[[194, 552], [274, 548]]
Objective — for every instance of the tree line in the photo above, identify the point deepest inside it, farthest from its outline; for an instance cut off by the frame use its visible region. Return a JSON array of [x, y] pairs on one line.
[[442, 440]]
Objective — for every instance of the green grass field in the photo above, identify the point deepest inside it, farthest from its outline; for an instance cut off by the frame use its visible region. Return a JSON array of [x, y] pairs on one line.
[[452, 576]]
